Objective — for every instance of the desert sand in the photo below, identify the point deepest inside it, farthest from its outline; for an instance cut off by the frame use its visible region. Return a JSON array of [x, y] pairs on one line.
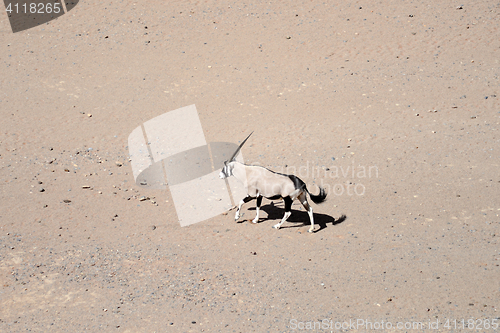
[[408, 90]]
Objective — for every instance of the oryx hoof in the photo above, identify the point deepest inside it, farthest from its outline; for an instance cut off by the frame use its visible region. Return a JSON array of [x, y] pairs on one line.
[[310, 230], [276, 226], [255, 220]]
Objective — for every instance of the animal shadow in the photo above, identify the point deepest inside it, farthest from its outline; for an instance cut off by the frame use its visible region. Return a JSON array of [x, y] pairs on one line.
[[298, 217]]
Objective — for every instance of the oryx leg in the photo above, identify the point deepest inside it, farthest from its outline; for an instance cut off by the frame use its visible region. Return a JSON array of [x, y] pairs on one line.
[[259, 202], [242, 201], [288, 212], [303, 200]]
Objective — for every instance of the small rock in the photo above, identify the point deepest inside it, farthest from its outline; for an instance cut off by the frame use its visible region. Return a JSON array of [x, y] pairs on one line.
[[85, 186], [66, 201], [118, 164], [41, 189], [143, 198]]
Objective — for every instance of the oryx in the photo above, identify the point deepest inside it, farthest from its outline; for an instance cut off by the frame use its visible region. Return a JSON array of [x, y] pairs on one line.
[[261, 182]]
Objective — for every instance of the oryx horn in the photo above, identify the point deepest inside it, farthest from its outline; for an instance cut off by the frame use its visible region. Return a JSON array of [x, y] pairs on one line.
[[238, 150]]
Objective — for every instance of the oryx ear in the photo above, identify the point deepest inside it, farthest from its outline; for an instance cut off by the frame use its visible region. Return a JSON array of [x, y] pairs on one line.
[[238, 150]]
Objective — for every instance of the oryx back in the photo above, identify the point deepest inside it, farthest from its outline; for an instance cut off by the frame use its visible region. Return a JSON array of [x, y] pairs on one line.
[[268, 183]]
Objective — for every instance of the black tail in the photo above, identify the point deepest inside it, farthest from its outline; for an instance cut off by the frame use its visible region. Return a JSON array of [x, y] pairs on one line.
[[317, 199]]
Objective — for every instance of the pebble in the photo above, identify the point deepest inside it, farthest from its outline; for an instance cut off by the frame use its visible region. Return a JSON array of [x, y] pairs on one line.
[[41, 189], [86, 186]]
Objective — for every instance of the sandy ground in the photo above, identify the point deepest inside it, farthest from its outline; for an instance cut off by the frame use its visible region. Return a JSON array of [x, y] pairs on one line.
[[406, 89]]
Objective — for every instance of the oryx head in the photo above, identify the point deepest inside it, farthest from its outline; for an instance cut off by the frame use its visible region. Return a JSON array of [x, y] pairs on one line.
[[227, 170]]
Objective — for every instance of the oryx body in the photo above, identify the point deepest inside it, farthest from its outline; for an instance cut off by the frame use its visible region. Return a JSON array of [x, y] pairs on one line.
[[261, 182]]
